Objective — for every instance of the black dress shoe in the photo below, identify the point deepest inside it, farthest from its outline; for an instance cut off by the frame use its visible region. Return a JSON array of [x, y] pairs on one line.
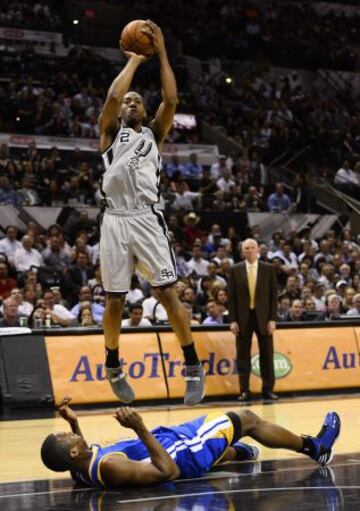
[[270, 396], [244, 396]]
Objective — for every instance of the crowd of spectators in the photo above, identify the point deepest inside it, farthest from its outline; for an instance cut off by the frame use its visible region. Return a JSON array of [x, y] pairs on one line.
[[39, 15], [33, 177], [249, 29], [53, 278]]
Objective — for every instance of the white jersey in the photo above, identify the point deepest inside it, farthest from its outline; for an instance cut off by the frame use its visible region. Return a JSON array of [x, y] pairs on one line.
[[132, 170]]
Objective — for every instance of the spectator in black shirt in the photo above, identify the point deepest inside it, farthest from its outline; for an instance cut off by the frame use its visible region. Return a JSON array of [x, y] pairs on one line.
[[11, 314]]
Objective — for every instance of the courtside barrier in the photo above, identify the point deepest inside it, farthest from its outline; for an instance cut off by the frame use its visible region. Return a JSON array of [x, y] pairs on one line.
[[312, 356]]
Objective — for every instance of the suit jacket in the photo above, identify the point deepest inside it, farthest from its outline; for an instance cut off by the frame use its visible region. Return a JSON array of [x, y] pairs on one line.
[[265, 296]]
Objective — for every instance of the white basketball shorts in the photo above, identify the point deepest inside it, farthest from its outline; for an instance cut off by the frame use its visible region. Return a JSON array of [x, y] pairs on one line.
[[135, 239]]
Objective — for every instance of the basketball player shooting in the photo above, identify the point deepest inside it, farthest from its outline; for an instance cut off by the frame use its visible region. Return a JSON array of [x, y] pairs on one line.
[[185, 451], [131, 226]]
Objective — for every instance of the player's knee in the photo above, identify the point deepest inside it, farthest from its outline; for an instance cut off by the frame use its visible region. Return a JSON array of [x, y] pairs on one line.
[[249, 420], [115, 300], [166, 295]]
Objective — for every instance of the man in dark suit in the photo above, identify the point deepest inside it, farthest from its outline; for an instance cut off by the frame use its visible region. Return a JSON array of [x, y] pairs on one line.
[[77, 276], [252, 291]]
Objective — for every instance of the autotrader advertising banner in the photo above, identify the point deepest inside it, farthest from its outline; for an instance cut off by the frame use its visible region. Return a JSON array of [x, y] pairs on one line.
[[304, 359], [77, 370]]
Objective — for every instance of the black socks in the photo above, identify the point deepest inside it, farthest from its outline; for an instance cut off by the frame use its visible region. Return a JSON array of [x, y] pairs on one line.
[[191, 358], [112, 358], [308, 447]]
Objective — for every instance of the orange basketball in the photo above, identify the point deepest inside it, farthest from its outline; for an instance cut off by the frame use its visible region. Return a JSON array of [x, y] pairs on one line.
[[132, 39]]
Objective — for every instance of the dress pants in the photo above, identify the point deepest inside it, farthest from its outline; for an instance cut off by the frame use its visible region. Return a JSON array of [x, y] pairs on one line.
[[266, 352]]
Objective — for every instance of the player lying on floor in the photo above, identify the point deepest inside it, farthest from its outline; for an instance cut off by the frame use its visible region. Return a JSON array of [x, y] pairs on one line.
[[167, 453]]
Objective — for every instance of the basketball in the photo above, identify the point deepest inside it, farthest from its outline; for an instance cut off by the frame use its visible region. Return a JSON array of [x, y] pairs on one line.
[[132, 39]]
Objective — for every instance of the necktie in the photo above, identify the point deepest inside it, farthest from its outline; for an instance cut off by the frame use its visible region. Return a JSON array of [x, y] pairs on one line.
[[251, 277]]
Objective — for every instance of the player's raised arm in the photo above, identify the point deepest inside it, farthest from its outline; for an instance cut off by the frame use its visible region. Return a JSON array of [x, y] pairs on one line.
[[118, 472], [165, 114], [70, 416], [108, 120]]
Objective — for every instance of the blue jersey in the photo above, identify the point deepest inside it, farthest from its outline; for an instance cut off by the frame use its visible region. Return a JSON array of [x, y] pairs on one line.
[[194, 446]]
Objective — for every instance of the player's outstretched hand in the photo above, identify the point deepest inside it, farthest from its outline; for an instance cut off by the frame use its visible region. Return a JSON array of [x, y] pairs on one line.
[[129, 418], [154, 31], [66, 412], [138, 58]]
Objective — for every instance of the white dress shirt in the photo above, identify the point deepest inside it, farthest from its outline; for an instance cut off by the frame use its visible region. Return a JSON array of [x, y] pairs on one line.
[[9, 248], [199, 266], [143, 322], [24, 259]]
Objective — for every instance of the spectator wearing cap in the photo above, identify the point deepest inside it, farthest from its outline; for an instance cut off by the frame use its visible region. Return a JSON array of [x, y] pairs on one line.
[[319, 296], [9, 245], [11, 314], [355, 310], [279, 201], [214, 316], [341, 285], [191, 230], [27, 256], [135, 317]]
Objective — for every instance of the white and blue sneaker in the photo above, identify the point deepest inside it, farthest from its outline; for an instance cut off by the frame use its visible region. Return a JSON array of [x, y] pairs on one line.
[[320, 448], [246, 452]]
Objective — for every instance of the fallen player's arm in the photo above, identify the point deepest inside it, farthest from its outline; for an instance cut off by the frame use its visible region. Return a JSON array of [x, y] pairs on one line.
[[117, 471], [70, 416]]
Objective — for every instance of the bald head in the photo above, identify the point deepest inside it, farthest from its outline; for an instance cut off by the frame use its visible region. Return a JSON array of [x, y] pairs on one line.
[[250, 250]]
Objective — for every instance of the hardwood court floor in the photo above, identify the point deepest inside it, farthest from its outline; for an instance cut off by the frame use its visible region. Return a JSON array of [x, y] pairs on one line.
[[20, 441]]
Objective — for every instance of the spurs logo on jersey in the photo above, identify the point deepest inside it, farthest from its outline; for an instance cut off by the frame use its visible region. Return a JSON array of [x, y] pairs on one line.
[[141, 151], [132, 170]]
